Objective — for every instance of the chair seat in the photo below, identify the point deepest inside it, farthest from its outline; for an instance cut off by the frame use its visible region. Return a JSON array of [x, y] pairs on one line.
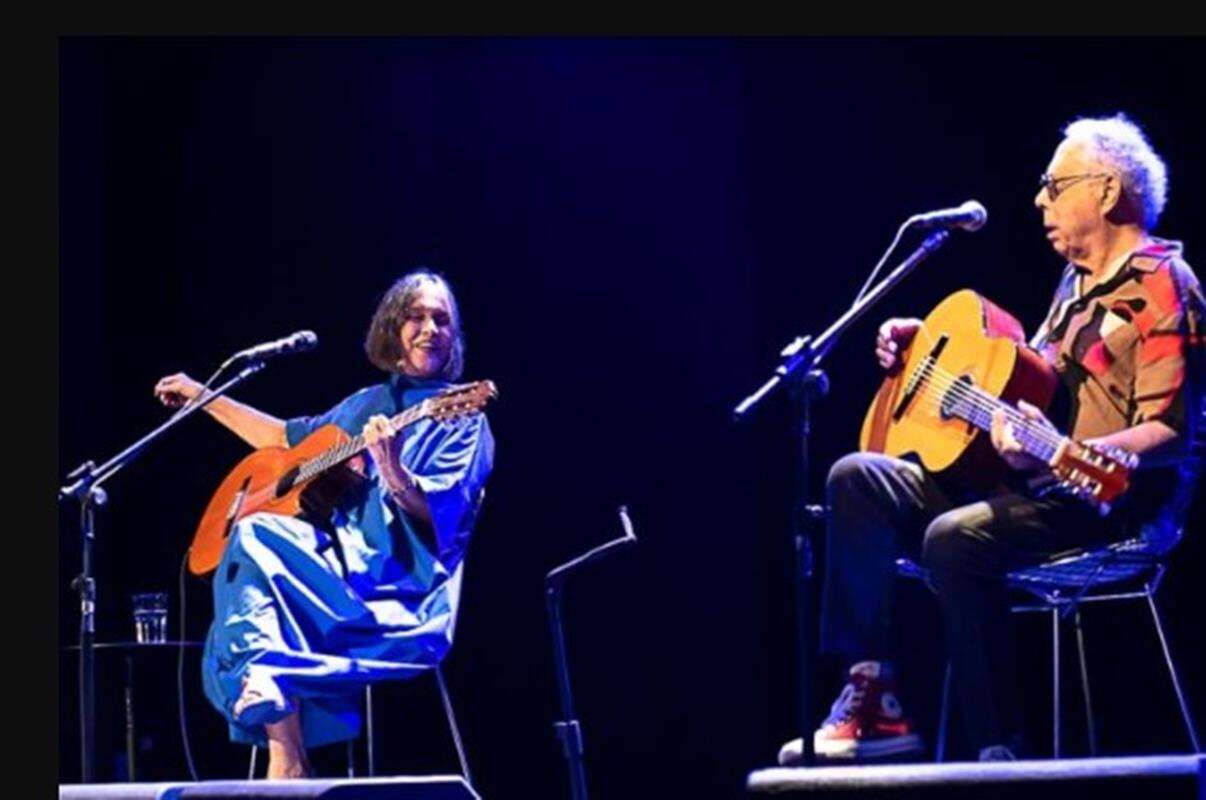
[[1141, 558], [1113, 563]]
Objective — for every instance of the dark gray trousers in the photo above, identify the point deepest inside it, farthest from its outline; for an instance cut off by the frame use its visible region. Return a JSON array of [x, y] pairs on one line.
[[883, 507]]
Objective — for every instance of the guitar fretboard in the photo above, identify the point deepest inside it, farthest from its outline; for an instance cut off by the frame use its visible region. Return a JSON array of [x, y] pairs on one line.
[[974, 405], [340, 453]]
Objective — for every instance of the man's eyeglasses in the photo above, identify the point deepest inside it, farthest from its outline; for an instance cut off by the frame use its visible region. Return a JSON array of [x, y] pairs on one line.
[[1053, 187]]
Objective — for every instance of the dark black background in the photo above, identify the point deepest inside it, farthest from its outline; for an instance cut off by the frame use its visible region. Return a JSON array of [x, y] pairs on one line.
[[634, 227]]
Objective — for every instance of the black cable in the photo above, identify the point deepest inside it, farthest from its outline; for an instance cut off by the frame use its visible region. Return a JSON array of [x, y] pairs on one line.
[[188, 753], [875, 271]]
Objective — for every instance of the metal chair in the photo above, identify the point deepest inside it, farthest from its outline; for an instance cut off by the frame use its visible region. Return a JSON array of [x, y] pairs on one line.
[[370, 751], [1061, 586]]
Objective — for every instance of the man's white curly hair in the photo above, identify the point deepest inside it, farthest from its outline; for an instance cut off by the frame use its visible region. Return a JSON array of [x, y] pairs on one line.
[[1119, 142]]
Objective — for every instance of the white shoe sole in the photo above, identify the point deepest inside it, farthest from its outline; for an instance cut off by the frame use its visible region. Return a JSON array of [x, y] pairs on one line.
[[851, 749]]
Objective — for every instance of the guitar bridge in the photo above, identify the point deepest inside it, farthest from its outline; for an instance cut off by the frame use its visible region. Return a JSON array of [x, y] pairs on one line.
[[920, 375]]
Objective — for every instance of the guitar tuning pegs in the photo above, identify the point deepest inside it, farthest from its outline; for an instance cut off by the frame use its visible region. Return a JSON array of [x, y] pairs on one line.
[[1124, 457]]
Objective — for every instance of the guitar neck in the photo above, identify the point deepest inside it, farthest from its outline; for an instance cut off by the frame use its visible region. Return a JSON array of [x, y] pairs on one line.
[[340, 453], [976, 407]]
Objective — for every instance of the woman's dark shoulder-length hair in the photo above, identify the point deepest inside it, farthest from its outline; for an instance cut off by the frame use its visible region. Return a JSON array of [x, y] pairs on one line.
[[383, 344]]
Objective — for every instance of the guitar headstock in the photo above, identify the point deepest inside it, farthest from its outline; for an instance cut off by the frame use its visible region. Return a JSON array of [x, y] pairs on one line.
[[1096, 475], [461, 400]]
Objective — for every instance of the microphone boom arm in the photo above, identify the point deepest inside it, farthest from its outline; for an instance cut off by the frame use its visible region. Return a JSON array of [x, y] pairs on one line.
[[805, 352], [92, 478]]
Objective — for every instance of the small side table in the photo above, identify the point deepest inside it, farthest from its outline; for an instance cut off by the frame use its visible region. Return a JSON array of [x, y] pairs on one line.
[[128, 651]]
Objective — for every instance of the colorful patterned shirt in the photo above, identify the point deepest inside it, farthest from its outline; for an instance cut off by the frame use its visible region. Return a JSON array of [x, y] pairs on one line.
[[1129, 350]]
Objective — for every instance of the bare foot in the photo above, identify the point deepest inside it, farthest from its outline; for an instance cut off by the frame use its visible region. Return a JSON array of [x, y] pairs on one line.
[[287, 765], [286, 747], [286, 750]]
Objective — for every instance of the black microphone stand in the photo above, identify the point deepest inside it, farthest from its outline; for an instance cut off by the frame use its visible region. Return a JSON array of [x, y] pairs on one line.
[[87, 490], [569, 731], [799, 368]]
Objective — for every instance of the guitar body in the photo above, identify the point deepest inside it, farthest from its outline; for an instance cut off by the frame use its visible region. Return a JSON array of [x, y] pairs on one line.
[[313, 478], [965, 338], [260, 482]]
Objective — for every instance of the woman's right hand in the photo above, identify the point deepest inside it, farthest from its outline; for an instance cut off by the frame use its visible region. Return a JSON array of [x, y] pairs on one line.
[[894, 336], [176, 390]]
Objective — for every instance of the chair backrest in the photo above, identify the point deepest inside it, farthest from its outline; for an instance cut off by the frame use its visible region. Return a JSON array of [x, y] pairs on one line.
[[1164, 533]]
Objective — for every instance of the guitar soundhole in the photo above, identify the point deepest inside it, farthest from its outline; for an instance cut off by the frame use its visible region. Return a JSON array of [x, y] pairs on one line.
[[286, 482], [957, 400]]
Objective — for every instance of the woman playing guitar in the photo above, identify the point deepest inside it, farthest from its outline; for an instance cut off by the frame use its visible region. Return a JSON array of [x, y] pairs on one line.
[[315, 600]]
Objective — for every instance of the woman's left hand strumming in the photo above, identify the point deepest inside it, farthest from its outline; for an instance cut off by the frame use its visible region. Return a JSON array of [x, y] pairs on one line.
[[378, 434]]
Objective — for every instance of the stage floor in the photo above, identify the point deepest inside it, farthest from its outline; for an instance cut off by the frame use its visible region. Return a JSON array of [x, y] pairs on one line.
[[1022, 775], [425, 787]]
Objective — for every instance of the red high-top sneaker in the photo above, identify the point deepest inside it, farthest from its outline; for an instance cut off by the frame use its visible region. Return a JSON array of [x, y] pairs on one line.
[[865, 721]]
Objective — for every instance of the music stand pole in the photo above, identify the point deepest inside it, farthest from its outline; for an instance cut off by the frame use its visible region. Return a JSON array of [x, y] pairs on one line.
[[800, 368], [87, 490], [568, 729]]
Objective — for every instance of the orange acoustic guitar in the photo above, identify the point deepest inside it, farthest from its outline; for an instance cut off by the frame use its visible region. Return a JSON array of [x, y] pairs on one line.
[[311, 477], [968, 359]]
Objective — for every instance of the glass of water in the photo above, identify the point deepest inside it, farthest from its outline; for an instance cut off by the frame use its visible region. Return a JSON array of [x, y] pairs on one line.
[[150, 617]]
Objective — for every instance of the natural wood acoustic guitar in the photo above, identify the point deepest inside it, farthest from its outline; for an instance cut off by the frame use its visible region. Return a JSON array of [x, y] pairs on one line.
[[968, 359]]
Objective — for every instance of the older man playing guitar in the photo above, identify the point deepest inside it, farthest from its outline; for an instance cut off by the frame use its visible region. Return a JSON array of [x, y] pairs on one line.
[[1123, 334]]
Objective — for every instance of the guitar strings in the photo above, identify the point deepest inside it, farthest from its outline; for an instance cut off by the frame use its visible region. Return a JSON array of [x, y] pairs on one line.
[[416, 412], [350, 447], [986, 401], [979, 400]]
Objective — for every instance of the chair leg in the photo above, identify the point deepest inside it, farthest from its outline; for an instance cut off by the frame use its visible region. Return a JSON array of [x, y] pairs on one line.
[[1172, 672], [251, 766], [1055, 681], [368, 731], [943, 716], [456, 734], [351, 759], [1084, 684]]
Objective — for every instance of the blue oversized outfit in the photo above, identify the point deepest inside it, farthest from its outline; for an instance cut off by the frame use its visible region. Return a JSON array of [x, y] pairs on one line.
[[308, 614]]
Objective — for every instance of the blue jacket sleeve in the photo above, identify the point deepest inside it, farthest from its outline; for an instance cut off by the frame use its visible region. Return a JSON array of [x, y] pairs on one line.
[[345, 414], [450, 462]]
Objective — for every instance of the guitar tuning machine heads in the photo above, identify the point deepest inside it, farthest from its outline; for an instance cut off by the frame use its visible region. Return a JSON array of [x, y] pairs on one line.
[[1123, 456]]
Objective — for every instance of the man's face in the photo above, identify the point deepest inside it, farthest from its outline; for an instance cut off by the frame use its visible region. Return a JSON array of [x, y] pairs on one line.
[[1076, 213], [426, 333]]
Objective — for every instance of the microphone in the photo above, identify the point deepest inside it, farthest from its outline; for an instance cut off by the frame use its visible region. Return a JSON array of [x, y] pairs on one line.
[[299, 342], [970, 216]]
